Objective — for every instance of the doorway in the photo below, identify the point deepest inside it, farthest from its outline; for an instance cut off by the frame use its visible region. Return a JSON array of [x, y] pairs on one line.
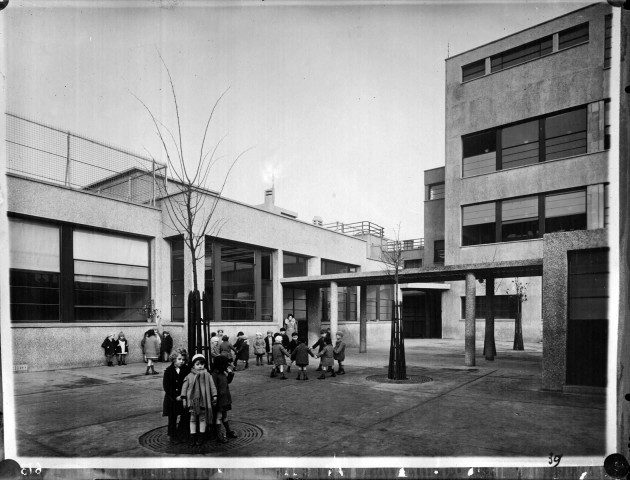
[[422, 314]]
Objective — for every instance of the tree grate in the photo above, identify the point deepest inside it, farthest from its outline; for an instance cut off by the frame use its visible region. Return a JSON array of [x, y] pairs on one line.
[[410, 379], [157, 440]]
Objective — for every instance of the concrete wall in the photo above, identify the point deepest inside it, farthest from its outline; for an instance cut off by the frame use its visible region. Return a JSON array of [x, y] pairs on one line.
[[554, 288], [433, 215], [453, 323]]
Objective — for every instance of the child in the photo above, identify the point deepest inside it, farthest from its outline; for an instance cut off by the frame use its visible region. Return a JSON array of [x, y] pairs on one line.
[[197, 395], [259, 348], [292, 346], [242, 349], [166, 346], [300, 355], [151, 351], [327, 358], [109, 344], [222, 376], [122, 349], [339, 352], [226, 348], [214, 348], [172, 406], [269, 346], [285, 338], [320, 343], [279, 353]]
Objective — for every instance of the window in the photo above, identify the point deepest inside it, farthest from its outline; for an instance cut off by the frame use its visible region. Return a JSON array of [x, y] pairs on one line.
[[607, 125], [519, 144], [565, 211], [565, 134], [607, 40], [438, 251], [294, 265], [436, 191], [519, 218], [178, 297], [521, 54], [474, 70], [238, 284], [415, 263], [573, 36], [346, 304], [479, 224], [34, 257], [479, 153], [294, 301], [504, 307], [606, 206], [330, 267], [111, 277], [266, 287]]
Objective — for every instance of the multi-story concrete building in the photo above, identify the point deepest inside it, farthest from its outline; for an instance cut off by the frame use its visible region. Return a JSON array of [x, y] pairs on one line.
[[526, 177]]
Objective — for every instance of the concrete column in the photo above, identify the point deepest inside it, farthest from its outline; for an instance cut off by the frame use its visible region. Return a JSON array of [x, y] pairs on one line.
[[314, 266], [276, 274], [334, 308], [469, 356], [555, 42], [363, 319], [595, 203], [314, 313]]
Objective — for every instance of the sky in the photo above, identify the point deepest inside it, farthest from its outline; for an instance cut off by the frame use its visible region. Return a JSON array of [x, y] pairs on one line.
[[339, 103]]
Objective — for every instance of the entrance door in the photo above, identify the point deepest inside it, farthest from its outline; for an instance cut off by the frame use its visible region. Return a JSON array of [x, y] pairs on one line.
[[422, 314], [587, 328]]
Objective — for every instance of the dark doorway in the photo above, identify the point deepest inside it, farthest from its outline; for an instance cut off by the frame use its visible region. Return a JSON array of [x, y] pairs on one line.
[[422, 314], [587, 328]]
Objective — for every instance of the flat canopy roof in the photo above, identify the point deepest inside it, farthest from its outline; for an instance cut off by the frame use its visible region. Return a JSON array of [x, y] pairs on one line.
[[517, 268]]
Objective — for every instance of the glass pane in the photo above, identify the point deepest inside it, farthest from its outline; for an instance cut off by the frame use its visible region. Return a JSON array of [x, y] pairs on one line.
[[237, 284], [479, 143], [33, 246], [436, 191], [101, 247], [519, 144], [474, 70], [518, 209], [480, 164], [109, 270], [482, 213], [564, 204], [573, 36]]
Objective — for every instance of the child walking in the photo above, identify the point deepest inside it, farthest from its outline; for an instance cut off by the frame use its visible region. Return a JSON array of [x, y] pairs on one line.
[[197, 394], [222, 377], [109, 344], [279, 357], [122, 349], [327, 358], [172, 407], [259, 348], [242, 349], [300, 356], [339, 352], [269, 346]]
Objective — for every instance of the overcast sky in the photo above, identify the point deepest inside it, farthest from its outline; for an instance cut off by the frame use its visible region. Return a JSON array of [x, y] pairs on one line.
[[342, 101]]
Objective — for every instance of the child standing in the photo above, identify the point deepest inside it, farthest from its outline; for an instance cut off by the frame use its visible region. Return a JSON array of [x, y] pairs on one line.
[[151, 351], [173, 406], [197, 394], [259, 348], [300, 355], [320, 344], [339, 352], [292, 346], [109, 344], [269, 346], [279, 357], [327, 358], [242, 349], [222, 376], [166, 346], [226, 348], [122, 349], [214, 349]]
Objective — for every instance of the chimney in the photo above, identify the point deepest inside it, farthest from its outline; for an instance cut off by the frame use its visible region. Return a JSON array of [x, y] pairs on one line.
[[318, 221], [269, 199]]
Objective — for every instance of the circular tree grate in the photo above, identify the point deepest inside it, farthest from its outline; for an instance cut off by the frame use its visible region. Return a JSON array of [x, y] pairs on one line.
[[157, 440], [410, 379]]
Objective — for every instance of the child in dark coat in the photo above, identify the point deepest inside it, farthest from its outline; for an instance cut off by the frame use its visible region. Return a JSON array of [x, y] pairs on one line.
[[269, 346], [300, 356], [292, 346], [122, 349], [279, 357], [166, 346], [173, 406], [320, 344], [339, 352], [242, 349], [222, 376], [327, 358], [109, 344], [226, 348]]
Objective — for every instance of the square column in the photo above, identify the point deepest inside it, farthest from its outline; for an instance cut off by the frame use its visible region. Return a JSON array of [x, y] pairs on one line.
[[334, 308], [363, 319], [313, 313], [469, 355]]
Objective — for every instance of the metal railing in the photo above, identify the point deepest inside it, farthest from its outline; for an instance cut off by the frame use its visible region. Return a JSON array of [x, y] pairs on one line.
[[413, 244], [62, 158], [356, 228]]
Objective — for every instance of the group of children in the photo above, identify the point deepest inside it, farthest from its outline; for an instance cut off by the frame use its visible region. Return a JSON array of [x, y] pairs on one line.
[[199, 397], [155, 346], [116, 347]]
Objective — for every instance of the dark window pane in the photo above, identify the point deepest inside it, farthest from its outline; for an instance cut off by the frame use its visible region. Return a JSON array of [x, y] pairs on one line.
[[519, 144], [416, 263], [107, 314], [479, 234], [565, 211], [565, 134], [474, 70], [438, 251], [504, 307], [238, 284], [479, 143], [519, 219], [573, 36], [294, 265], [33, 296], [479, 224], [521, 54], [330, 267], [34, 313], [607, 125]]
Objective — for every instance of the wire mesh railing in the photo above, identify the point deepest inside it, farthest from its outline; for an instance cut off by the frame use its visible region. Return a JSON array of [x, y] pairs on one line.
[[62, 158]]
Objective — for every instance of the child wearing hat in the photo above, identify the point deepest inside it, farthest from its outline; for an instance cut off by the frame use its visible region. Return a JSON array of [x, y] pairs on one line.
[[197, 396], [327, 358], [109, 344], [242, 349], [226, 348], [339, 352], [279, 357], [300, 356], [292, 346], [122, 349], [269, 346], [259, 348], [222, 377]]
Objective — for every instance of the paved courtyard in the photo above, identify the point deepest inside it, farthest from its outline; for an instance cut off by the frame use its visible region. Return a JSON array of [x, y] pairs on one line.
[[494, 409]]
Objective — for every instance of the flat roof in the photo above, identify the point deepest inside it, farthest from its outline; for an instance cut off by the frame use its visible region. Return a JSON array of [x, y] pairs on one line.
[[516, 268]]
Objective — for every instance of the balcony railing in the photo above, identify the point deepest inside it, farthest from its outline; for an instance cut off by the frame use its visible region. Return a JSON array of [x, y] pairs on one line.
[[357, 228], [413, 244]]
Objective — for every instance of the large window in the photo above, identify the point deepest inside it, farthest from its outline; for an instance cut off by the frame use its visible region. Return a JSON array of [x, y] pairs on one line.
[[504, 306], [474, 70], [519, 218], [177, 280], [546, 138], [521, 54], [479, 224], [34, 271], [330, 267], [111, 277], [573, 36], [294, 265], [238, 284], [565, 211]]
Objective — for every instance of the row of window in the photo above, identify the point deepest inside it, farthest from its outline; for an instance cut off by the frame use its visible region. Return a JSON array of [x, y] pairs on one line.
[[567, 38], [523, 218], [550, 137], [504, 306]]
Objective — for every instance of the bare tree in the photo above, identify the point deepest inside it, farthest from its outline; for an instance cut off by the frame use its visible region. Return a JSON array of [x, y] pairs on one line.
[[520, 288]]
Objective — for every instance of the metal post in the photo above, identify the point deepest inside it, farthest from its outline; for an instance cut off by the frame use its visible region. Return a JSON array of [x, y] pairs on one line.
[[469, 356]]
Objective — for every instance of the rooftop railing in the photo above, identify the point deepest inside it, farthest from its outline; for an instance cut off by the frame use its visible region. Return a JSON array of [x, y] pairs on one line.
[[413, 244], [357, 228]]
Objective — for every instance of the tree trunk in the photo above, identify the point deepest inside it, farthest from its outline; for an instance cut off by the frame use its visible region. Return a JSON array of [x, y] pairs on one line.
[[518, 327], [397, 367]]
